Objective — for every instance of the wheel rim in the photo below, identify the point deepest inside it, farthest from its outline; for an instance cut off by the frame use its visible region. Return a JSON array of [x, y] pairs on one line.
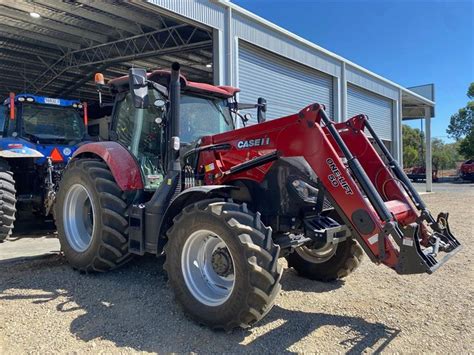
[[317, 256], [78, 218], [208, 268]]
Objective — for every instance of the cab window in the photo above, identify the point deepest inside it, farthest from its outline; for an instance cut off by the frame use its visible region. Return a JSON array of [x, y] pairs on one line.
[[138, 130], [202, 116]]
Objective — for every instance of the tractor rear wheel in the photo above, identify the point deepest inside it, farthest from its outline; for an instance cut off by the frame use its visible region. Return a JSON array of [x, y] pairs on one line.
[[222, 264], [7, 201], [91, 217], [329, 263]]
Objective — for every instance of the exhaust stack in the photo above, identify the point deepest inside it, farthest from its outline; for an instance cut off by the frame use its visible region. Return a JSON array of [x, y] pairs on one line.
[[174, 97]]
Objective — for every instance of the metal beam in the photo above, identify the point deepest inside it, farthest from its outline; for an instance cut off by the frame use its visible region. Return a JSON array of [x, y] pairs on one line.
[[66, 90], [124, 13], [59, 16], [89, 15], [155, 43], [51, 41], [23, 47], [51, 25]]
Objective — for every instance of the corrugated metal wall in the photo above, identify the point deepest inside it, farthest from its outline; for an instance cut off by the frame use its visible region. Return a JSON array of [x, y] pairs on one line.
[[254, 32], [378, 108], [287, 86]]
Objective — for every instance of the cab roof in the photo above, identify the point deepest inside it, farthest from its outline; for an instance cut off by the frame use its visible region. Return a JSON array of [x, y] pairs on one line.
[[162, 77], [42, 100]]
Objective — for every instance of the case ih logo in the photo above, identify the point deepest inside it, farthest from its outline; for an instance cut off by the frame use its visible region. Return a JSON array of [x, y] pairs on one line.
[[253, 143], [336, 178]]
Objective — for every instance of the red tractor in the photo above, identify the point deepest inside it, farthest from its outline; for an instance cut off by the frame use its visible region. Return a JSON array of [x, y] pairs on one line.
[[467, 170], [223, 204]]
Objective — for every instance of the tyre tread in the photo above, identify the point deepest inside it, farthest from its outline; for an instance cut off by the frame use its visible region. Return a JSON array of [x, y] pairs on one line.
[[261, 256]]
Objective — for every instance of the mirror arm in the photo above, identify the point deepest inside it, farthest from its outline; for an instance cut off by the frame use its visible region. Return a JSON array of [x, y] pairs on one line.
[[158, 87]]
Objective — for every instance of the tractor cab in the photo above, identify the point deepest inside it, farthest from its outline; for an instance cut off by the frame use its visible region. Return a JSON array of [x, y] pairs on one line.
[[41, 127], [205, 110]]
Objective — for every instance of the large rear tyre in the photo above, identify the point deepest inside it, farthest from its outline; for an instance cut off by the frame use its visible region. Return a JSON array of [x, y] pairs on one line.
[[91, 217], [222, 264], [328, 263], [7, 201]]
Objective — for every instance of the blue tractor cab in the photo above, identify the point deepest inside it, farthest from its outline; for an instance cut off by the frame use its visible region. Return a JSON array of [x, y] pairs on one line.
[[38, 136]]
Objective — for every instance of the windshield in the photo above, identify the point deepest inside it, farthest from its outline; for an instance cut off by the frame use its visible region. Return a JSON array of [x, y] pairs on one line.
[[50, 122], [203, 117]]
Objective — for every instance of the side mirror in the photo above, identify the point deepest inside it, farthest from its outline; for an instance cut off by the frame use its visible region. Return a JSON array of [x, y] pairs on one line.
[[261, 110], [138, 87]]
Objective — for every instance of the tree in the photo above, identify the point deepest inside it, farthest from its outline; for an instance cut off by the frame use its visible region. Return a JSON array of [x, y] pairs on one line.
[[466, 147], [413, 146], [444, 156], [461, 126]]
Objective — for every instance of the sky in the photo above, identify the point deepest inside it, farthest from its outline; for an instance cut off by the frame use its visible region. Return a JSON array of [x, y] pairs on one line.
[[410, 42]]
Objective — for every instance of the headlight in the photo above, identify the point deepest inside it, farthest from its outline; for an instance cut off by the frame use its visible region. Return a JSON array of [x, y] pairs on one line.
[[21, 99], [30, 99], [304, 190]]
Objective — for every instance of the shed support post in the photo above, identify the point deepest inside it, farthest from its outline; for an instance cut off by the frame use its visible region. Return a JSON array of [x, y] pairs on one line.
[[343, 93], [429, 167]]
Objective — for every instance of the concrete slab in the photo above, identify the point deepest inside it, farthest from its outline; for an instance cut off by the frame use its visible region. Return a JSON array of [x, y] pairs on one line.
[[27, 247]]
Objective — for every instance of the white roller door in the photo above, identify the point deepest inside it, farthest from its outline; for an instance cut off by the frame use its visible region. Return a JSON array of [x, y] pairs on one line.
[[379, 109], [287, 86]]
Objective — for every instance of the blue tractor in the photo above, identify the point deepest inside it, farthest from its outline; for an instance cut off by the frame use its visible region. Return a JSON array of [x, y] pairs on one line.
[[38, 137]]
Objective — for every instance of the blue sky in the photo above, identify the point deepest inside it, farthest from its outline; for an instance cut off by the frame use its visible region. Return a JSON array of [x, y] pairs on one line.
[[409, 42]]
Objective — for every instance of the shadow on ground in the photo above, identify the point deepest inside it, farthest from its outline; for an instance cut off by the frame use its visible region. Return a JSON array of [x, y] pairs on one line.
[[133, 307]]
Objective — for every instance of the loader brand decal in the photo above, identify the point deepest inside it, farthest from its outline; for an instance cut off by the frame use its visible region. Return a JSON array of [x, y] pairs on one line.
[[336, 179], [257, 142]]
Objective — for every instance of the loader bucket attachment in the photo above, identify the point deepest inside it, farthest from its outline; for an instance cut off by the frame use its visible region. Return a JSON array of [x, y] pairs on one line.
[[390, 220]]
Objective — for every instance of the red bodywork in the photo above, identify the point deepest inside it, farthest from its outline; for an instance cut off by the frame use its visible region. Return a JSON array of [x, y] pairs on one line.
[[301, 135], [467, 169], [121, 163]]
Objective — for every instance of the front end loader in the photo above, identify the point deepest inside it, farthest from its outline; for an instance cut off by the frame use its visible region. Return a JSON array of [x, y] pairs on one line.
[[224, 204]]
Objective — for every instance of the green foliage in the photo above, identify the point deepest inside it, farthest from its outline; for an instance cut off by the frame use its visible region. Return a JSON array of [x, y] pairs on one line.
[[444, 156], [466, 147], [470, 91], [413, 146], [462, 123]]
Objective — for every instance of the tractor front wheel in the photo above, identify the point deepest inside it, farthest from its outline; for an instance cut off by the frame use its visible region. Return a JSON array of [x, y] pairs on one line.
[[222, 264], [329, 263], [7, 201], [91, 217]]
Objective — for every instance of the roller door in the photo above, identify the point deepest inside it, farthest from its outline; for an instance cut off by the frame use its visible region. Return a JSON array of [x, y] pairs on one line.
[[287, 86], [378, 108]]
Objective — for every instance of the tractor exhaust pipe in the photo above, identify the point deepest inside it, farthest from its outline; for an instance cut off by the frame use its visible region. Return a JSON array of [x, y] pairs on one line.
[[174, 97]]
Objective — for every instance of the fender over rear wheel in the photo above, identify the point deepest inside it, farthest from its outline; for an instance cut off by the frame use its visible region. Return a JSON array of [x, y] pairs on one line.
[[91, 217], [222, 264]]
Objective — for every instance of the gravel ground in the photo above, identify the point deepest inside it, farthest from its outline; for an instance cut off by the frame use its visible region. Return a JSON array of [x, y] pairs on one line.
[[47, 307]]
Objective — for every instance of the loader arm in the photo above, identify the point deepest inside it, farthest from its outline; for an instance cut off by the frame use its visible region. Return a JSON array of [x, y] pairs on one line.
[[369, 191]]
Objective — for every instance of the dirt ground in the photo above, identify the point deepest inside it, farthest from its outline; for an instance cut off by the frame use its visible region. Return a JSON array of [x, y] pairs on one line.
[[47, 307]]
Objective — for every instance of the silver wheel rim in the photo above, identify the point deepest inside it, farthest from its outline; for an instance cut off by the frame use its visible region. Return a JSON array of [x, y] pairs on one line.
[[208, 281], [317, 256], [78, 218]]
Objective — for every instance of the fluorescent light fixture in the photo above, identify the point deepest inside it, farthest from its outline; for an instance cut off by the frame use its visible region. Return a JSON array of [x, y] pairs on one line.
[[35, 15]]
